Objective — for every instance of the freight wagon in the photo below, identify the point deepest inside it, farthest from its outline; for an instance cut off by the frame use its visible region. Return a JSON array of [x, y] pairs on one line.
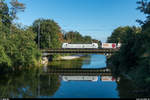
[[109, 45]]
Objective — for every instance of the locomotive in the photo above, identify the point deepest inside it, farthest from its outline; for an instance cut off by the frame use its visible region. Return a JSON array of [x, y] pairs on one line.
[[67, 45]]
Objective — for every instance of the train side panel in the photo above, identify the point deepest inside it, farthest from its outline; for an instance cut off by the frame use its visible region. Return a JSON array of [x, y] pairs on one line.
[[93, 45], [109, 45]]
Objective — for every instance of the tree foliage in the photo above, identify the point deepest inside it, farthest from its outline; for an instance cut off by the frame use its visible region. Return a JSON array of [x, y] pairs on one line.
[[76, 38], [49, 33], [133, 58], [144, 7], [119, 33], [17, 49]]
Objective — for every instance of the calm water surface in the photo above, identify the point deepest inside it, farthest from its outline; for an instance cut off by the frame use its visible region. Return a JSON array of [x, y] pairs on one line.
[[88, 89], [35, 84]]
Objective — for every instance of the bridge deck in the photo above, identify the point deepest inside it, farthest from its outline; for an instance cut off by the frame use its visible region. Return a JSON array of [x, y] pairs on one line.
[[97, 51]]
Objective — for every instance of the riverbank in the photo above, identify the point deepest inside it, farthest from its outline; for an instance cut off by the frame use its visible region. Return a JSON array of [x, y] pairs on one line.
[[45, 61], [69, 57]]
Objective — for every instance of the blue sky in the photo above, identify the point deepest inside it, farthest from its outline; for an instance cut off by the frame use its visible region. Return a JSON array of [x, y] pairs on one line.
[[97, 18]]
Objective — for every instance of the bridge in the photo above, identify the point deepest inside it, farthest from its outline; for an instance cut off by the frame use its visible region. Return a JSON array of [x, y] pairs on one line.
[[47, 52], [79, 71]]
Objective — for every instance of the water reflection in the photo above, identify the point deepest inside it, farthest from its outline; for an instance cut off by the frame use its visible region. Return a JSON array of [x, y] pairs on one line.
[[33, 85], [49, 84], [19, 85], [37, 83], [28, 85], [128, 89], [80, 78], [109, 79]]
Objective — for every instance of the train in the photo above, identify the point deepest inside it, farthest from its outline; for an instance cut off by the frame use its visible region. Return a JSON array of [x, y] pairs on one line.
[[91, 46], [67, 45]]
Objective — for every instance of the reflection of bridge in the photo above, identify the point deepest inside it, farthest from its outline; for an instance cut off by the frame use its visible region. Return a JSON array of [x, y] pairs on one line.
[[83, 51], [80, 71]]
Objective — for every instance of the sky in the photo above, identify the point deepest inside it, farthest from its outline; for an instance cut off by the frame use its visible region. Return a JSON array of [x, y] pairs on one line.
[[97, 18]]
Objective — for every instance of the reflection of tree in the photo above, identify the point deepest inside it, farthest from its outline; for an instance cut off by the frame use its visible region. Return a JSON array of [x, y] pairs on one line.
[[87, 60], [16, 84], [128, 89], [49, 84], [125, 88], [25, 85], [77, 63]]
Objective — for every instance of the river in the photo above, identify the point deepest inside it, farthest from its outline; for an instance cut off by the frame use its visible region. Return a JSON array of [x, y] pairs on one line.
[[33, 84], [88, 89]]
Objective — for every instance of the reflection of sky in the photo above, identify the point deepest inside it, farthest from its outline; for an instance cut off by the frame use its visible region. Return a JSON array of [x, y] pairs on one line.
[[96, 61], [87, 89]]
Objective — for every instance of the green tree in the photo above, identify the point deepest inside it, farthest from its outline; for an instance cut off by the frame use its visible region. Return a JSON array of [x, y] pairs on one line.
[[4, 59], [49, 33], [73, 37], [76, 38], [87, 39], [144, 7], [119, 33], [16, 7], [133, 58], [9, 13]]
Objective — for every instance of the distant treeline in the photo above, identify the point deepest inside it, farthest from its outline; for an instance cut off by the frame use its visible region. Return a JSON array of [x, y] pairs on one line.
[[49, 35], [133, 58], [20, 45]]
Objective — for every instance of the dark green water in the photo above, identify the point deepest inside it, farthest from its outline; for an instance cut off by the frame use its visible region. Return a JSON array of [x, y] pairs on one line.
[[35, 84]]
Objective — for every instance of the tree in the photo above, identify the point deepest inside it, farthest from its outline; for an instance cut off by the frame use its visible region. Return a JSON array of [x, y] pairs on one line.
[[119, 33], [9, 13], [97, 41], [133, 58], [15, 8], [73, 37], [76, 37], [49, 33], [4, 59], [87, 39], [144, 8]]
